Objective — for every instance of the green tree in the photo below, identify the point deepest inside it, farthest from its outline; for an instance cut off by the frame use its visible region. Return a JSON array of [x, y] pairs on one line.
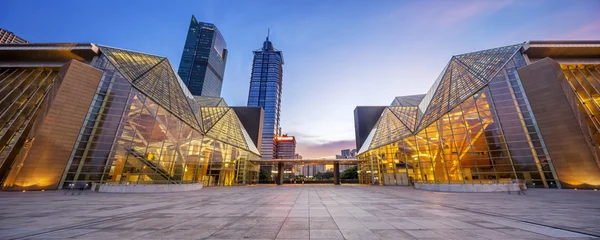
[[324, 175], [350, 173], [263, 175]]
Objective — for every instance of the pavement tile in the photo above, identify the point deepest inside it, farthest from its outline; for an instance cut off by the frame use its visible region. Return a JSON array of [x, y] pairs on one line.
[[326, 234], [301, 212]]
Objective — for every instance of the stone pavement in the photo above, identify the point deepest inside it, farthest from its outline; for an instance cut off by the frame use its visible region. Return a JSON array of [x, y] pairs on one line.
[[301, 212]]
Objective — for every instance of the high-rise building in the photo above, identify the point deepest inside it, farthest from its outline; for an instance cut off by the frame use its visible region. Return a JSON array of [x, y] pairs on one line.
[[526, 112], [285, 147], [203, 60], [265, 91], [7, 37]]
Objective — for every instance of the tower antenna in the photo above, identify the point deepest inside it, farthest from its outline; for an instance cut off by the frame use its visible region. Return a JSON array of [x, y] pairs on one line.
[[268, 33]]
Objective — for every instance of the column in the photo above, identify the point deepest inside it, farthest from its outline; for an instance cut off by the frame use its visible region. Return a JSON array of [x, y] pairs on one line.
[[336, 173], [280, 173]]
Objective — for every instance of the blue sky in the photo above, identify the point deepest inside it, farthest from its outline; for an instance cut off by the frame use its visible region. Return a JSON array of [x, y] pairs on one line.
[[338, 54]]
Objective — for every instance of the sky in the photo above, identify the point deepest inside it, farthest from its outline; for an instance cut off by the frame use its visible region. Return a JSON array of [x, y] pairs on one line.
[[338, 54]]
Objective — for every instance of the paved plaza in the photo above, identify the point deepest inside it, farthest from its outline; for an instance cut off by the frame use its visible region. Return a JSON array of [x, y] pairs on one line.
[[301, 212]]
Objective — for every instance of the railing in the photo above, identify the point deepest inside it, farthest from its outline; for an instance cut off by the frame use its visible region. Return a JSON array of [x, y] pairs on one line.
[[162, 172]]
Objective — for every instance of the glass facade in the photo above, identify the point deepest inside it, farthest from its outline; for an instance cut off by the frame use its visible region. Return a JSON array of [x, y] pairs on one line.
[[477, 128], [132, 136], [202, 65], [265, 91], [584, 80], [26, 93], [7, 37]]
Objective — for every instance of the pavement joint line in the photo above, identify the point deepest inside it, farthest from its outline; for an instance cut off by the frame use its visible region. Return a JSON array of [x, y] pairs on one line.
[[500, 216], [236, 218], [113, 218]]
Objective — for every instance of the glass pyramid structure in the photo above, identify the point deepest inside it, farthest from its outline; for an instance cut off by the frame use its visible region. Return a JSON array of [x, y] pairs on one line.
[[154, 76], [463, 76]]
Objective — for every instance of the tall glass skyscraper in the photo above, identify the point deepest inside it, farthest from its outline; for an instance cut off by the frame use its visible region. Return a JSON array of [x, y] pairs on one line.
[[203, 60], [265, 91]]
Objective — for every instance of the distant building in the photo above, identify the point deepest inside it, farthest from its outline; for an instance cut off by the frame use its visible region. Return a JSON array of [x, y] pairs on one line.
[[265, 91], [285, 147], [7, 37], [348, 153], [203, 60], [312, 170]]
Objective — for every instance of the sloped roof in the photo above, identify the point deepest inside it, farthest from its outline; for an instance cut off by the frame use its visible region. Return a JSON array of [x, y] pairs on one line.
[[462, 77], [154, 77]]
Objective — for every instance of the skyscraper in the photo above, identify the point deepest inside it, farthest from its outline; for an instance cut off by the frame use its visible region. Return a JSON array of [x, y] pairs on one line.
[[203, 60], [7, 37], [265, 91]]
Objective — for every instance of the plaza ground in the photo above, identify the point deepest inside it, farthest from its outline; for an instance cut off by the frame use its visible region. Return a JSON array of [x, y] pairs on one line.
[[301, 212]]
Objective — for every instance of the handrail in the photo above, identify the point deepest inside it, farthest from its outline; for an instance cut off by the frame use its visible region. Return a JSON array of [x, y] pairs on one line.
[[162, 172]]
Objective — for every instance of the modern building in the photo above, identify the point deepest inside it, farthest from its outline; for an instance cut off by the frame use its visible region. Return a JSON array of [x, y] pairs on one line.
[[285, 147], [310, 170], [202, 65], [348, 153], [265, 91], [252, 120], [7, 37], [77, 114], [527, 111]]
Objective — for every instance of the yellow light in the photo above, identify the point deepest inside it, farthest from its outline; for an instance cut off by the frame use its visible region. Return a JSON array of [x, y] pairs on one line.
[[575, 189], [24, 191], [42, 190], [595, 189]]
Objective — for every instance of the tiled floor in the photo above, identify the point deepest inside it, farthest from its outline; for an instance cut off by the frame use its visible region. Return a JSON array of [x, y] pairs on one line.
[[301, 212]]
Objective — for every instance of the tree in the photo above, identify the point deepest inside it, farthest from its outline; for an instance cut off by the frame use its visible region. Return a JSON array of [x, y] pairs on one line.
[[350, 173], [263, 175], [324, 175]]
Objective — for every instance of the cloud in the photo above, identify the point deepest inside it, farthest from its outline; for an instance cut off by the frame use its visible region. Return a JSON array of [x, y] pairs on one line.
[[587, 31], [447, 13], [311, 150]]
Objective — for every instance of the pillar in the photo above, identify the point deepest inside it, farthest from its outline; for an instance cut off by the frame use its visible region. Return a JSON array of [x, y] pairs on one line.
[[280, 173], [336, 173]]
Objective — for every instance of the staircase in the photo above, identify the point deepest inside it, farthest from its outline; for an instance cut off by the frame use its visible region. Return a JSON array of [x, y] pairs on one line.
[[153, 166]]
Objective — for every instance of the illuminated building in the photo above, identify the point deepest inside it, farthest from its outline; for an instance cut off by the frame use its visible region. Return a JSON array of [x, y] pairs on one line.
[[285, 147], [76, 114], [265, 91], [202, 65], [7, 37], [526, 111]]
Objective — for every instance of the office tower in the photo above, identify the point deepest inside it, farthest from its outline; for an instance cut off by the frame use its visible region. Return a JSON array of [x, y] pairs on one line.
[[265, 91], [7, 37], [285, 147], [527, 111], [203, 60]]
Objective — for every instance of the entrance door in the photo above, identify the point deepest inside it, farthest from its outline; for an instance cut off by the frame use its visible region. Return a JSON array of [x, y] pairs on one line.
[[402, 178]]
